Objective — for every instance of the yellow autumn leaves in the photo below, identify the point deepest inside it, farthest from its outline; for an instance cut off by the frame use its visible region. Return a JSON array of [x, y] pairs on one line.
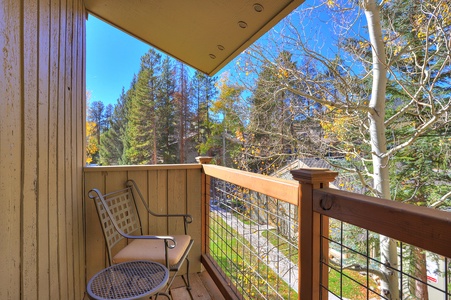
[[91, 142]]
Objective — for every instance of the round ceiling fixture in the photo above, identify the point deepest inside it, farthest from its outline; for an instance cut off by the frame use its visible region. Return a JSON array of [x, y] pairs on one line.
[[242, 24], [258, 7], [221, 47], [212, 56]]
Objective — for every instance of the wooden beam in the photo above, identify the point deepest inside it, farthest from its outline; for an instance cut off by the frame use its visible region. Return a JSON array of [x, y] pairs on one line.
[[310, 276], [286, 190], [141, 168], [423, 227], [228, 290]]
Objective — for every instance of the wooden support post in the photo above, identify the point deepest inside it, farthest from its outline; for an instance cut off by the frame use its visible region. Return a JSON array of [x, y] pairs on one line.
[[310, 233], [205, 203]]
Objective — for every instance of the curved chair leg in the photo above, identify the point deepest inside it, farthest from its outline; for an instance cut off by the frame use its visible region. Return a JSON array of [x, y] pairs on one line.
[[165, 294], [188, 285]]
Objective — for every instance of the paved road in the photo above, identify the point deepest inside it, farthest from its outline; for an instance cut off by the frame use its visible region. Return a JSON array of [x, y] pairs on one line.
[[269, 254]]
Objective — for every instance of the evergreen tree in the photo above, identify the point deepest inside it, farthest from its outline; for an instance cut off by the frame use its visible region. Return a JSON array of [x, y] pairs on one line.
[[141, 146], [182, 102], [274, 115], [109, 109], [96, 115], [112, 140], [382, 99], [204, 91], [166, 114]]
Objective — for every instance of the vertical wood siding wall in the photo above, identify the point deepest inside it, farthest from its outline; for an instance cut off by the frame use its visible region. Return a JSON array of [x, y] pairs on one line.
[[41, 149], [172, 189]]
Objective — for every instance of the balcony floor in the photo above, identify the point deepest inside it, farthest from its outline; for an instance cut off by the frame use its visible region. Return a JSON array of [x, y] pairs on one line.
[[203, 288]]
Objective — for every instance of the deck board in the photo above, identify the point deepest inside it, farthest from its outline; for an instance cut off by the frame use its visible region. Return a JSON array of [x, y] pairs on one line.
[[202, 288]]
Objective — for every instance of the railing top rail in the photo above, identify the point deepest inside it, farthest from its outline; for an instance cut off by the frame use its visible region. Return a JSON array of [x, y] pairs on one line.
[[282, 189], [427, 228], [142, 167]]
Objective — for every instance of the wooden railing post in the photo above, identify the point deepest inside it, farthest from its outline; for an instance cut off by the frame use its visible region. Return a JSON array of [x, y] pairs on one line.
[[205, 203], [309, 232]]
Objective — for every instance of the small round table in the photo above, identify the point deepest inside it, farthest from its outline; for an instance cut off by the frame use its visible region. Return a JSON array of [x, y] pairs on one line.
[[128, 280]]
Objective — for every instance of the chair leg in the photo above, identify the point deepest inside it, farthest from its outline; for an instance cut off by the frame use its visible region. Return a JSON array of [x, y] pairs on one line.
[[171, 280], [165, 294], [188, 285]]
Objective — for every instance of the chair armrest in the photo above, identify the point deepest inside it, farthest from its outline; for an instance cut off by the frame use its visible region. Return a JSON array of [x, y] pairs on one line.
[[169, 240], [187, 218]]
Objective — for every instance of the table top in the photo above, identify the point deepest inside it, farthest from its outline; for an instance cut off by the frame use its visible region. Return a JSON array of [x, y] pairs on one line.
[[128, 280]]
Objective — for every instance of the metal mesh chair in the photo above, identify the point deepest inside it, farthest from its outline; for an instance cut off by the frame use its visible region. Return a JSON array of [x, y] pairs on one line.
[[120, 220]]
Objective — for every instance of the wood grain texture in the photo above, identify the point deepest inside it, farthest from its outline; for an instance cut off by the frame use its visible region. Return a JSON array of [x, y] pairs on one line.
[[41, 149], [194, 208], [11, 95], [286, 190], [30, 139], [420, 226], [173, 190], [54, 284]]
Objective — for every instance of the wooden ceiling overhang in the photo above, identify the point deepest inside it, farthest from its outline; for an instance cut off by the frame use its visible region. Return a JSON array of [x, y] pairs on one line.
[[205, 34]]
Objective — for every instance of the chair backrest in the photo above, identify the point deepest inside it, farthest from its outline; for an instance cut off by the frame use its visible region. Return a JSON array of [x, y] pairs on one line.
[[117, 212]]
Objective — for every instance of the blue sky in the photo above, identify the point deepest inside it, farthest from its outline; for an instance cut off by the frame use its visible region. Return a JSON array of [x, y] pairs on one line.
[[112, 57]]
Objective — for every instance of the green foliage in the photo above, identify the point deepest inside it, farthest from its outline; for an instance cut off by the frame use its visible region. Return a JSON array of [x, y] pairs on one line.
[[422, 176], [203, 92], [111, 141], [160, 118], [223, 142], [232, 252]]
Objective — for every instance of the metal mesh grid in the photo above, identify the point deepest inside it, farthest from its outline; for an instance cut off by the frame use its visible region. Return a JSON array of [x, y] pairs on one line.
[[128, 280], [122, 207], [253, 239], [354, 267]]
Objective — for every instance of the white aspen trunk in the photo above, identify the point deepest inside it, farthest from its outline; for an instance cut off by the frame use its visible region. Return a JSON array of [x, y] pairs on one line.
[[388, 248]]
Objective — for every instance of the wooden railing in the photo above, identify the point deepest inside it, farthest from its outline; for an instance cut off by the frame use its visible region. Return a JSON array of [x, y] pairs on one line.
[[422, 227], [426, 228], [286, 191], [186, 189]]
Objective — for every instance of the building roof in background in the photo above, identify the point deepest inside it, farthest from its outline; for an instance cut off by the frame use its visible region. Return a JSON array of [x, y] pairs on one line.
[[343, 181]]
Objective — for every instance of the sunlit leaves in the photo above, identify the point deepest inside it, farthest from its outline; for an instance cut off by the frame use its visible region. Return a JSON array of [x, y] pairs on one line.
[[92, 147]]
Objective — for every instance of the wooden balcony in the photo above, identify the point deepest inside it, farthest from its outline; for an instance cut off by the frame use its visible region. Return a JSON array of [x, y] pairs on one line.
[[191, 189]]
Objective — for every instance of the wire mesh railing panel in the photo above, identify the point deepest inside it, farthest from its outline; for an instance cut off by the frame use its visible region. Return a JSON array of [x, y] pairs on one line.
[[358, 269], [254, 240]]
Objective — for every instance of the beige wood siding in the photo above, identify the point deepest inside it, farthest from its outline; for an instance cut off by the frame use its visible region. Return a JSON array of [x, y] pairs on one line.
[[42, 149], [167, 188]]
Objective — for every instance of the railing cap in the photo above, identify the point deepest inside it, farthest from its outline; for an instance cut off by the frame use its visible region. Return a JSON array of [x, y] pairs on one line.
[[314, 175]]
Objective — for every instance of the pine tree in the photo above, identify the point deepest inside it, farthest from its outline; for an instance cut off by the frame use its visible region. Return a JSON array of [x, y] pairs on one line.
[[112, 140], [96, 115], [165, 111], [141, 146], [274, 114], [204, 92], [182, 102]]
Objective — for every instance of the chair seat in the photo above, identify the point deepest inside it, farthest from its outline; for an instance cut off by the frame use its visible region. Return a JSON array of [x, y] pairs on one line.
[[153, 250]]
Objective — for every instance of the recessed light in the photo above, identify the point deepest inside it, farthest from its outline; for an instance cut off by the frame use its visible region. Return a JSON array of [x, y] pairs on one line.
[[242, 24], [221, 47], [212, 56], [258, 7]]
